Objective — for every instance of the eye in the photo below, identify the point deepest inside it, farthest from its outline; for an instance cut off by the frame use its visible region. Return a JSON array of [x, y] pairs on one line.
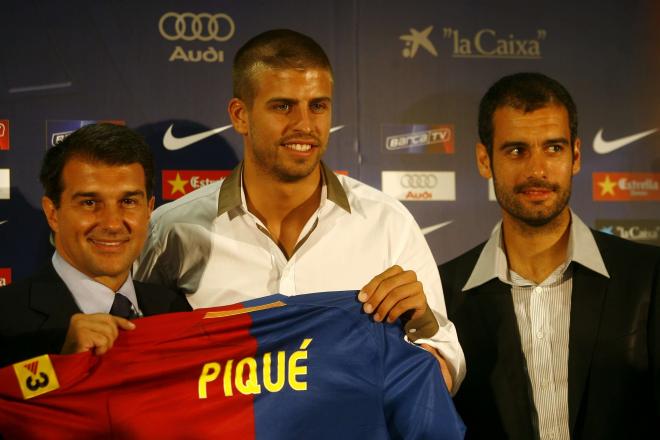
[[129, 202], [282, 107], [88, 203], [318, 107], [515, 151], [555, 148]]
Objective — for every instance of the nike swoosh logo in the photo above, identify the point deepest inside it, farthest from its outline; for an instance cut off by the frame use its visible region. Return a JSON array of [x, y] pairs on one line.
[[432, 228], [172, 143], [3, 222], [337, 128], [602, 146]]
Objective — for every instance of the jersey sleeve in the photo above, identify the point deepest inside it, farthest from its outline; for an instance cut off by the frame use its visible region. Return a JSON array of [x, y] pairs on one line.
[[417, 403]]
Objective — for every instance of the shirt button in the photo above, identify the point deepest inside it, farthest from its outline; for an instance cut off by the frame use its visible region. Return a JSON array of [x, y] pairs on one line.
[[412, 330], [538, 289], [539, 334]]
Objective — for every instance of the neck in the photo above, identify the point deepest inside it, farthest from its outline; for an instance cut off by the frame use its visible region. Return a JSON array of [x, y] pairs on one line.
[[534, 252], [113, 283], [283, 207]]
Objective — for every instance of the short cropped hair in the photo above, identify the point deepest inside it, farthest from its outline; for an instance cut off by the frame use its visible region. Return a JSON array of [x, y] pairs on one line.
[[524, 91], [105, 143], [275, 49]]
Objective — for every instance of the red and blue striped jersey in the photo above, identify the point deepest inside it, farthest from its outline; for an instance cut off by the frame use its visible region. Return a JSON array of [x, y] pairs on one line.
[[308, 366]]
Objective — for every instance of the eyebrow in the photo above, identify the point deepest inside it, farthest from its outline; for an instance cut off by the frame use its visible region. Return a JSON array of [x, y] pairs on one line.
[[509, 144], [295, 101], [88, 194]]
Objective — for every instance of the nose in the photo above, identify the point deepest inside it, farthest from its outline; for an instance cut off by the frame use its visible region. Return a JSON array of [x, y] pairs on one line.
[[536, 165], [111, 218], [302, 119]]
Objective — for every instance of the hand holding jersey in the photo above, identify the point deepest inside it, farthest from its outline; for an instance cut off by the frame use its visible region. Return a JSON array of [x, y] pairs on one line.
[[393, 293], [94, 332]]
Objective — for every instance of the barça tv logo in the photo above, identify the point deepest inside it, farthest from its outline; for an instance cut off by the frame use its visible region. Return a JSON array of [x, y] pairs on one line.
[[58, 130], [418, 138]]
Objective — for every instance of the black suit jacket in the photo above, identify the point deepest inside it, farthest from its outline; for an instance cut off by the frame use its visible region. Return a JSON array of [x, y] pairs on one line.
[[614, 349], [35, 313]]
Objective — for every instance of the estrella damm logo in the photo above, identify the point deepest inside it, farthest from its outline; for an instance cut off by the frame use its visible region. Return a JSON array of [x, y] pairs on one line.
[[36, 376], [4, 134], [617, 187], [177, 183]]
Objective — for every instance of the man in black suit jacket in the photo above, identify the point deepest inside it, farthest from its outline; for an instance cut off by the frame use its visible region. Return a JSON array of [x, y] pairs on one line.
[[558, 323], [98, 199]]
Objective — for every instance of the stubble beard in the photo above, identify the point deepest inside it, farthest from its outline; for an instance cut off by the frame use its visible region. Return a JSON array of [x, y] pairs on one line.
[[272, 162], [532, 217]]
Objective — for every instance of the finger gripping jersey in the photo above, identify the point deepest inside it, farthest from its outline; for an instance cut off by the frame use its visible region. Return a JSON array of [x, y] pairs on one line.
[[308, 366]]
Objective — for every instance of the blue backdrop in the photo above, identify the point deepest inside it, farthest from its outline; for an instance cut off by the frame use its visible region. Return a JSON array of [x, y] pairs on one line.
[[408, 76]]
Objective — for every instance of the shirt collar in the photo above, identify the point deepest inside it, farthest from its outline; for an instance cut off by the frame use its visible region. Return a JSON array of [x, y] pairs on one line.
[[232, 195], [492, 261], [90, 295]]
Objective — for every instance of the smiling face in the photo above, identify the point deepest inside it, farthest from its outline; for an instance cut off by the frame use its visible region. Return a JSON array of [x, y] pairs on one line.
[[287, 126], [532, 163], [101, 223]]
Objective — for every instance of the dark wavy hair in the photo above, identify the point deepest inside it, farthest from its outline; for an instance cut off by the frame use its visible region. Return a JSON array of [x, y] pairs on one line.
[[105, 143]]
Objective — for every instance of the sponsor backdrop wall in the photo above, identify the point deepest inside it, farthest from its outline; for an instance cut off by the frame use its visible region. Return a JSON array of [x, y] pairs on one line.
[[408, 78]]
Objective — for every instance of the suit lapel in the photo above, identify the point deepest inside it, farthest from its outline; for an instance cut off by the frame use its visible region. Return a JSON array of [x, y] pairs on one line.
[[509, 380], [587, 298], [50, 296]]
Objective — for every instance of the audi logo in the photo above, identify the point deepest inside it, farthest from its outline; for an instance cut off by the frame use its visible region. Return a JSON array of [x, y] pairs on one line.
[[419, 181], [187, 26]]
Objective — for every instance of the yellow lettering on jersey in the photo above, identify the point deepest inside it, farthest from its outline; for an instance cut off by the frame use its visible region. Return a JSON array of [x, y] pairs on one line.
[[248, 377]]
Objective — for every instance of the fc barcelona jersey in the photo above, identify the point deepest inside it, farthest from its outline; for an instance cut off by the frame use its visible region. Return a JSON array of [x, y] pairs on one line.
[[309, 366]]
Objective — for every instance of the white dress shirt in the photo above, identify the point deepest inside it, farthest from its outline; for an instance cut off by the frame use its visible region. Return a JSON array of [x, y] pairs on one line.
[[543, 316], [92, 296]]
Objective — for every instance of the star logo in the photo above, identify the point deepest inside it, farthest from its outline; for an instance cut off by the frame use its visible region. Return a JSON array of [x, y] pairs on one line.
[[607, 186], [178, 184], [416, 39]]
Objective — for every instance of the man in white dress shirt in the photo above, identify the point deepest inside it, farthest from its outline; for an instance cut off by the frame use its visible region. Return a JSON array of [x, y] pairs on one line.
[[284, 223]]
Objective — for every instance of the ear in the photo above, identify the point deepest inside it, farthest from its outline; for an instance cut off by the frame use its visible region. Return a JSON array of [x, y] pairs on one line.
[[238, 113], [50, 211], [483, 161], [150, 204], [576, 156]]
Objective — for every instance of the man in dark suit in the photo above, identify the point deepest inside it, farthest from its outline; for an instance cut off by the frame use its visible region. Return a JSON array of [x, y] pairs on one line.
[[98, 199], [559, 323]]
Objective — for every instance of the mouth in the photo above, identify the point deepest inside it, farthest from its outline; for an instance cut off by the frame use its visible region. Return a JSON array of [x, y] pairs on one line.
[[108, 245], [300, 147]]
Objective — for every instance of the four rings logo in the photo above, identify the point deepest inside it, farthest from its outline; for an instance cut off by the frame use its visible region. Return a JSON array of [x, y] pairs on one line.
[[419, 181], [203, 27], [420, 185]]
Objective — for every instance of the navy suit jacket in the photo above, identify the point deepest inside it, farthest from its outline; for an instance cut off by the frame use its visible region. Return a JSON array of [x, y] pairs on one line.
[[35, 313], [614, 349]]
